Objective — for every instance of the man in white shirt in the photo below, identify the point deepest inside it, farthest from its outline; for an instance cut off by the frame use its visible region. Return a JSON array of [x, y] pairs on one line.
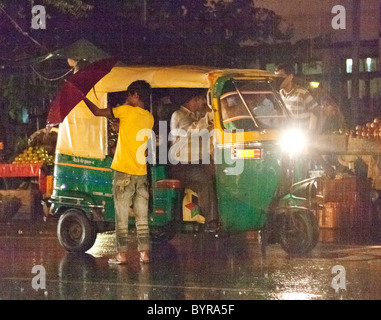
[[190, 152], [189, 124]]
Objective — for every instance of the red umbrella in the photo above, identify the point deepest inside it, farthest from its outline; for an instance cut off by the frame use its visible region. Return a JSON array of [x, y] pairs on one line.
[[74, 88]]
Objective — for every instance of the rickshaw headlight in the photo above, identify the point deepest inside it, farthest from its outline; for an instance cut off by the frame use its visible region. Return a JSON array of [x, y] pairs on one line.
[[293, 141]]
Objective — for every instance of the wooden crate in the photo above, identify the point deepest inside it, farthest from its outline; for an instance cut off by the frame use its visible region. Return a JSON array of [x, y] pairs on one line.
[[9, 206], [30, 202], [330, 216], [363, 146], [338, 215], [361, 213], [332, 143], [347, 190]]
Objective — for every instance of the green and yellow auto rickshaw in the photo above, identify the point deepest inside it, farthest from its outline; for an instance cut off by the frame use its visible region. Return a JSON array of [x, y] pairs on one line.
[[255, 153]]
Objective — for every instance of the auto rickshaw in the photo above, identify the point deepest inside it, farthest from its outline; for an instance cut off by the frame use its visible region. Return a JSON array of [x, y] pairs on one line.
[[255, 155]]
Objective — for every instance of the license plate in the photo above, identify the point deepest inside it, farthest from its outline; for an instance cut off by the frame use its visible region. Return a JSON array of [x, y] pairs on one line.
[[247, 154]]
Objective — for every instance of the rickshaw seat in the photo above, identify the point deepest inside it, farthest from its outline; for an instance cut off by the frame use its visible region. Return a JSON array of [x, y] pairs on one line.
[[168, 184]]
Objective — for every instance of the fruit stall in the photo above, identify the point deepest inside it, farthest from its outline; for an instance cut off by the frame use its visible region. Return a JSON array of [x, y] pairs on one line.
[[353, 197], [29, 194], [26, 180]]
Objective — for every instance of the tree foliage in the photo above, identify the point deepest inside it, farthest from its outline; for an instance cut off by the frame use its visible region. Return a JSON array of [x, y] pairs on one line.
[[162, 31], [213, 32], [218, 33], [75, 8]]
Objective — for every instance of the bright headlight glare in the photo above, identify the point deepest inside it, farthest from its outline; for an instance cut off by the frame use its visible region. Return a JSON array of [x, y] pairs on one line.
[[293, 141]]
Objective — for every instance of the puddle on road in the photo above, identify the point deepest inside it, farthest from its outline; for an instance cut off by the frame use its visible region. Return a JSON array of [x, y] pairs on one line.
[[189, 267]]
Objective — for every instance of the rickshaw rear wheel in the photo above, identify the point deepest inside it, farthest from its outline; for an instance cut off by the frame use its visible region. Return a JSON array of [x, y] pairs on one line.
[[76, 233], [298, 232]]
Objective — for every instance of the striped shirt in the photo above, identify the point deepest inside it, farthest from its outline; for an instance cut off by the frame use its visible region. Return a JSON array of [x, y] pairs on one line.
[[301, 105]]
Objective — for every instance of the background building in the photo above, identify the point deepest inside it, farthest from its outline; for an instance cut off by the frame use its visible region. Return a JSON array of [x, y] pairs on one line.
[[346, 62]]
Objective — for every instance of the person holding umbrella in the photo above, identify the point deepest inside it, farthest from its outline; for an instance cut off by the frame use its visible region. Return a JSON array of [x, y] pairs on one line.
[[130, 172]]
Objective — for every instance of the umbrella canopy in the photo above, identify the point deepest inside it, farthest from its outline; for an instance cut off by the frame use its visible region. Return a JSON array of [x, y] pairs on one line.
[[74, 88], [79, 50], [84, 50]]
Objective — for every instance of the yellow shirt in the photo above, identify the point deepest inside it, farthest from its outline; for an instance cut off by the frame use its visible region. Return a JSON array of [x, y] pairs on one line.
[[135, 129]]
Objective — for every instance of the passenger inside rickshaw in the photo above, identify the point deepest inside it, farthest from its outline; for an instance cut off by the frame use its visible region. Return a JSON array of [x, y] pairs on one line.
[[114, 100], [235, 100]]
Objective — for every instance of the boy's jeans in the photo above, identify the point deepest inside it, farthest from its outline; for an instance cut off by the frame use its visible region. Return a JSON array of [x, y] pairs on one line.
[[131, 190]]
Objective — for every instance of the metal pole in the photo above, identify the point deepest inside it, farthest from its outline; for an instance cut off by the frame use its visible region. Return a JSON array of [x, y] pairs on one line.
[[144, 13], [356, 20]]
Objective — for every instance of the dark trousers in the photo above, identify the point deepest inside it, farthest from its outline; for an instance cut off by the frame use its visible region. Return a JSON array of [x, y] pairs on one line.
[[201, 179]]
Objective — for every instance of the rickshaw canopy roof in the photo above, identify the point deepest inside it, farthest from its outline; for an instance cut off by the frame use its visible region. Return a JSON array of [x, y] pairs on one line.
[[170, 77], [84, 135]]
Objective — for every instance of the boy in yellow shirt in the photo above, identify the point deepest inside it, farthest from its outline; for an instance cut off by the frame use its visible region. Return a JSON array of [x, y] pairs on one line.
[[130, 169]]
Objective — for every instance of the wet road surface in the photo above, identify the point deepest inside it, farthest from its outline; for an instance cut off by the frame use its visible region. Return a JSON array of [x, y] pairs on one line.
[[189, 267]]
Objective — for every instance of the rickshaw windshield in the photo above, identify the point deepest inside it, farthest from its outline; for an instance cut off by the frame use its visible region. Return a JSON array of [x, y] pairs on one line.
[[261, 101]]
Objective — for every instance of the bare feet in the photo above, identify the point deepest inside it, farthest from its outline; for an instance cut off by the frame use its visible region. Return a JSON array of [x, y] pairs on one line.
[[120, 258], [144, 256]]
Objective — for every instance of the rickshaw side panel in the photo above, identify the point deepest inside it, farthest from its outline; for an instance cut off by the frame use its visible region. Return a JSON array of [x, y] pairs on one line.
[[245, 198], [165, 199], [91, 180], [78, 175]]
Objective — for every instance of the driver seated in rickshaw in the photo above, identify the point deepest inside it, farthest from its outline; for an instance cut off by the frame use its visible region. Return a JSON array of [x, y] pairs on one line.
[[235, 115], [265, 112]]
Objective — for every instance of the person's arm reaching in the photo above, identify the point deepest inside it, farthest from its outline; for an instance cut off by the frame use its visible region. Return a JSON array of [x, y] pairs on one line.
[[97, 111]]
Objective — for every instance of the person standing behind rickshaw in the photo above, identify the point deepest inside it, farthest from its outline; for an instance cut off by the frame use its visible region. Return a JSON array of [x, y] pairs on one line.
[[304, 108], [298, 100], [130, 169], [188, 125], [333, 118]]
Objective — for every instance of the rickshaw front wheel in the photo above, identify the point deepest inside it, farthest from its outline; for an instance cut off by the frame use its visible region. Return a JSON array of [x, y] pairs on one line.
[[76, 233], [298, 232]]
